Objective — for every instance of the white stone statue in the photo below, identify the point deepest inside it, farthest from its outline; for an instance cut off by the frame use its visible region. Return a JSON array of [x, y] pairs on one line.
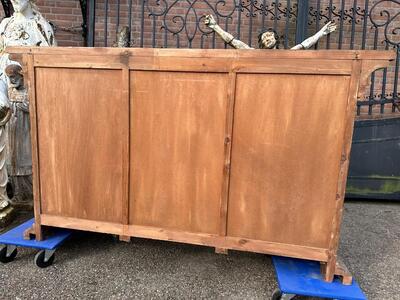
[[267, 39], [26, 27]]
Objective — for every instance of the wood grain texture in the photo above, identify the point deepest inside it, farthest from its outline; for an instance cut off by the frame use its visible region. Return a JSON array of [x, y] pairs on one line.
[[29, 73], [348, 123], [82, 224], [81, 136], [212, 53], [286, 150], [244, 150], [177, 149]]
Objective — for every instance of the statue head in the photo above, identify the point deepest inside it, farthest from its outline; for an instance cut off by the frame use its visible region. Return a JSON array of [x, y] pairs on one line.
[[14, 73], [23, 6], [268, 39]]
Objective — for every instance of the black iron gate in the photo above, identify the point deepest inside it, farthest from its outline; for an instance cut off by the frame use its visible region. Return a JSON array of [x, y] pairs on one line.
[[362, 24]]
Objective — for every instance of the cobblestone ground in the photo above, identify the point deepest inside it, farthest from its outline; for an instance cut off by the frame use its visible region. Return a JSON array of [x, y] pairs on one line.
[[95, 266]]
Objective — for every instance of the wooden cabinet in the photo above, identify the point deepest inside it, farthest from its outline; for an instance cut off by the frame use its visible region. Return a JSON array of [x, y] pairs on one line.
[[234, 149]]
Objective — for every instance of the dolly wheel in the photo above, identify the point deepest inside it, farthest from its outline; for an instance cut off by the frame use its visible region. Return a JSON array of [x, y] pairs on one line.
[[7, 257], [279, 295], [276, 295], [42, 261]]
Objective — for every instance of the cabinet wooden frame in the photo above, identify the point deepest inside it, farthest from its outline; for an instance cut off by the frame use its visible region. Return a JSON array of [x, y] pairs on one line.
[[206, 92]]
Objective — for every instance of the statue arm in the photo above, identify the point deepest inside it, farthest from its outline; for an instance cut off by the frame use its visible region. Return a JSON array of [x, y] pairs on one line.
[[311, 41], [210, 22]]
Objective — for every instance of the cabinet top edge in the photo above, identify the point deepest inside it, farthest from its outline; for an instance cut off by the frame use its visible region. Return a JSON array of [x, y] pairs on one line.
[[208, 53]]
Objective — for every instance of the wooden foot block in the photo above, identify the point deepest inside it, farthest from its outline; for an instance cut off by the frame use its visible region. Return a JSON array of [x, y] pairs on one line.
[[125, 238], [29, 234], [221, 251], [342, 271]]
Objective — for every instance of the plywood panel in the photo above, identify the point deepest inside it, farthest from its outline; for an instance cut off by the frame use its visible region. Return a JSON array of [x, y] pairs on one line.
[[287, 139], [81, 127], [177, 149]]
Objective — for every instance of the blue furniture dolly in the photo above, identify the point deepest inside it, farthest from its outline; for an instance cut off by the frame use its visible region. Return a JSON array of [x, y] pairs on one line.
[[303, 277], [14, 238]]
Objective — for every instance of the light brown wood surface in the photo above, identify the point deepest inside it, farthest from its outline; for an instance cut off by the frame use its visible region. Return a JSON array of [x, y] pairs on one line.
[[177, 149], [286, 148], [244, 150], [80, 136]]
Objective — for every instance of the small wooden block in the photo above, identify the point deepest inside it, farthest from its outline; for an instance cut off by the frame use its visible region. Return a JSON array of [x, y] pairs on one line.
[[29, 234], [342, 271], [221, 251], [125, 238]]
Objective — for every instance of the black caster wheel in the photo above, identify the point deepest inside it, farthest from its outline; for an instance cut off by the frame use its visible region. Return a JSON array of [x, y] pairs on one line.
[[7, 257], [277, 295], [42, 261]]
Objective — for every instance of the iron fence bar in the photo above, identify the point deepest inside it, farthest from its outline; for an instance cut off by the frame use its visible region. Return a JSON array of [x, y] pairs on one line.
[[91, 22], [153, 37], [376, 102], [84, 12], [105, 23], [288, 6], [341, 23], [353, 24], [276, 14], [142, 24], [263, 13], [302, 20], [328, 38], [239, 9], [317, 20], [213, 40], [383, 91], [364, 34], [372, 87], [251, 12], [166, 38], [396, 80], [226, 29], [363, 45], [118, 15], [130, 20]]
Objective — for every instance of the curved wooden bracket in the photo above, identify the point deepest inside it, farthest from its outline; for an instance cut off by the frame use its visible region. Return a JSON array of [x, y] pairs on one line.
[[367, 67]]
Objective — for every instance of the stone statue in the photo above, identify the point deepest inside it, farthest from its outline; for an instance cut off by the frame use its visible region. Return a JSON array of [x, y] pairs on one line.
[[6, 211], [123, 38], [267, 39], [26, 27]]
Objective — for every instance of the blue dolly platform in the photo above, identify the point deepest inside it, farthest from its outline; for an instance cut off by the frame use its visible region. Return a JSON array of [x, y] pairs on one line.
[[303, 277], [14, 238]]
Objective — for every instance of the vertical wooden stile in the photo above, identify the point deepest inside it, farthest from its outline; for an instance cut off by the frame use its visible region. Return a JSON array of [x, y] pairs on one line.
[[30, 67], [228, 150], [330, 267], [126, 153]]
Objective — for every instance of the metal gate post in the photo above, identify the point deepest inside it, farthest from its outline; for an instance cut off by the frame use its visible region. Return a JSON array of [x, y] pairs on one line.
[[302, 18], [91, 23]]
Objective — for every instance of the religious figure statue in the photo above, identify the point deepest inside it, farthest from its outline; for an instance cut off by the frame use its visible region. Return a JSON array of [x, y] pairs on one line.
[[6, 211], [267, 39], [123, 38], [26, 27]]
